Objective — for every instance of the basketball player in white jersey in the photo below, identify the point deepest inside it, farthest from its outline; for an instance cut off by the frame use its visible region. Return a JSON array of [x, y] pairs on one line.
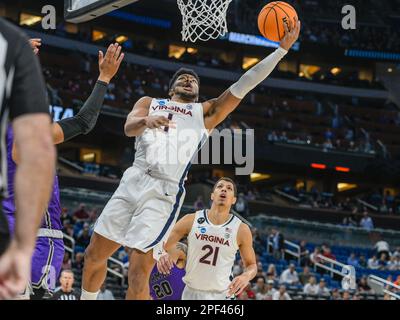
[[214, 237], [141, 213]]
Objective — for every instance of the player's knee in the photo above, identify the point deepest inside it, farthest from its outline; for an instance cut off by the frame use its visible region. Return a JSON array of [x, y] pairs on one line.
[[93, 256]]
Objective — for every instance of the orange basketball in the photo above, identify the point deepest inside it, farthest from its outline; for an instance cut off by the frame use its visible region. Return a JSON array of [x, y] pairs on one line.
[[272, 18]]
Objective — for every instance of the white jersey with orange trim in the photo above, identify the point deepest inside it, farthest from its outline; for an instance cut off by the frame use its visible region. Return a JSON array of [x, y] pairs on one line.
[[211, 253]]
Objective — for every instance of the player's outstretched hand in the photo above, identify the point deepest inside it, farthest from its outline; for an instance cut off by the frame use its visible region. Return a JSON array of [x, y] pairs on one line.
[[155, 122], [35, 44], [110, 62], [165, 264], [291, 34], [15, 268], [238, 285]]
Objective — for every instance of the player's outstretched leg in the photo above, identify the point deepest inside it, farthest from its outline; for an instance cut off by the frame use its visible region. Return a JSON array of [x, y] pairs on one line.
[[95, 266], [140, 267]]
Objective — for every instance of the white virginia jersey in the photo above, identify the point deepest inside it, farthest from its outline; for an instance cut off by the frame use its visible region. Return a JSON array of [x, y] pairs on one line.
[[167, 152], [211, 253]]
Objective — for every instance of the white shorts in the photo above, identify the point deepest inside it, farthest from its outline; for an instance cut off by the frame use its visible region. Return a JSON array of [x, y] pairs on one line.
[[192, 294], [142, 211]]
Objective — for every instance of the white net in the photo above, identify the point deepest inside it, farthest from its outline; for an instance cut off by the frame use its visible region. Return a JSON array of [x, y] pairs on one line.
[[203, 19]]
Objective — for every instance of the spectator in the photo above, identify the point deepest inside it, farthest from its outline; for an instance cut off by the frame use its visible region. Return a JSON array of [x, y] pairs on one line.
[[83, 239], [248, 293], [314, 257], [346, 295], [66, 265], [277, 242], [382, 247], [373, 263], [81, 213], [260, 270], [66, 291], [281, 294], [382, 262], [322, 289], [366, 222], [104, 293], [199, 203], [394, 263], [363, 262], [336, 294], [305, 276], [66, 219], [78, 263], [289, 276], [326, 252], [270, 290], [304, 254], [271, 271], [352, 260], [260, 285], [241, 205], [363, 285], [311, 288]]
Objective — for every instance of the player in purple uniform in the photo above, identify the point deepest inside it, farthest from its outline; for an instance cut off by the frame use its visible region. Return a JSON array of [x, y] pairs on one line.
[[170, 287], [49, 249]]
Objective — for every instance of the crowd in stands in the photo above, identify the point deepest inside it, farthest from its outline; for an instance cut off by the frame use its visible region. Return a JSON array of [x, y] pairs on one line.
[[279, 276], [385, 203], [321, 23]]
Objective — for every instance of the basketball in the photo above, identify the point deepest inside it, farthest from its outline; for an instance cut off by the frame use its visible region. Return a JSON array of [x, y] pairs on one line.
[[272, 18]]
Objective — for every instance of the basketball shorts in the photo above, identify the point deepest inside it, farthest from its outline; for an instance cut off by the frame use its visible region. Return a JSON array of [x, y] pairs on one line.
[[192, 294], [142, 211]]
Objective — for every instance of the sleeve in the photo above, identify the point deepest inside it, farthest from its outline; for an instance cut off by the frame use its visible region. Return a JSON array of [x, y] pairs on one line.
[[28, 93]]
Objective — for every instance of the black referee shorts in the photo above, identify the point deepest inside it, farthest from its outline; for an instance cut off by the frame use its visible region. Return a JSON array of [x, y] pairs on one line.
[[4, 231]]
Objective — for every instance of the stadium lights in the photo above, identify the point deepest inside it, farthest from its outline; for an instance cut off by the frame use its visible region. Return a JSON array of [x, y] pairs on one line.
[[121, 39], [318, 166], [342, 169], [98, 35], [335, 71], [390, 70], [259, 176], [321, 166], [27, 19], [249, 62], [192, 50], [345, 186]]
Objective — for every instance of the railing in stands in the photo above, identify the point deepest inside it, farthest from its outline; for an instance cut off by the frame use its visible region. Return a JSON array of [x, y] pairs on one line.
[[285, 195], [296, 253], [368, 205], [71, 250], [383, 286]]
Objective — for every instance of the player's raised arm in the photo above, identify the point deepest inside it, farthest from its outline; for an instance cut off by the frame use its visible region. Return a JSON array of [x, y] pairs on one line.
[[216, 110], [86, 119], [245, 242], [180, 230]]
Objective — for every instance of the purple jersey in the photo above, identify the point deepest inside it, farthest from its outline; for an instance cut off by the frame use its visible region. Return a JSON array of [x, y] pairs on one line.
[[51, 219], [167, 287]]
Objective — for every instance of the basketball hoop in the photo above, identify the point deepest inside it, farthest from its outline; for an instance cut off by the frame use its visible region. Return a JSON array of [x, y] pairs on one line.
[[203, 19]]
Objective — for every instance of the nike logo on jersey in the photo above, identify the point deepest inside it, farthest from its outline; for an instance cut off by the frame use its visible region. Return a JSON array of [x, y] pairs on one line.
[[214, 239]]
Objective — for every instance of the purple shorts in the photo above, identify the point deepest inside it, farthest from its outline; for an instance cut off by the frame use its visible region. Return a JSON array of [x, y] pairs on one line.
[[46, 262]]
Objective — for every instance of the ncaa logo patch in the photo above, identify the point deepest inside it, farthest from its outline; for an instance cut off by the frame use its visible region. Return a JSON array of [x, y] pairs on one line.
[[201, 220], [203, 229], [189, 107], [161, 103]]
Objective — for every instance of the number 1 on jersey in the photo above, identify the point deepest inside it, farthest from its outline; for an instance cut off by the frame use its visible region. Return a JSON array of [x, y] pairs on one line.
[[170, 115]]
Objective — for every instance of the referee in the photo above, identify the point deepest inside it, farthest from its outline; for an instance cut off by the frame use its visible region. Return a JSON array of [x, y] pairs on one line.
[[23, 102]]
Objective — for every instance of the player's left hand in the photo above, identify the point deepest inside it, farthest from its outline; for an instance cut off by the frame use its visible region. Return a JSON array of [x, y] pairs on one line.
[[110, 62], [165, 264], [35, 44], [15, 268], [238, 285]]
